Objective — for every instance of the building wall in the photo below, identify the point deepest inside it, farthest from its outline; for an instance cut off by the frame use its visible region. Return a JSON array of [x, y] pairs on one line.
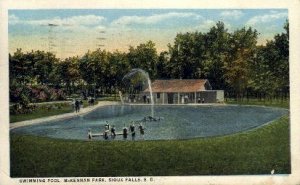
[[220, 96], [210, 96], [158, 98]]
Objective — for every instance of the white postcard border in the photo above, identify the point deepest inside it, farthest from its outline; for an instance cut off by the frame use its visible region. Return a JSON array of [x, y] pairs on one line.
[[293, 7]]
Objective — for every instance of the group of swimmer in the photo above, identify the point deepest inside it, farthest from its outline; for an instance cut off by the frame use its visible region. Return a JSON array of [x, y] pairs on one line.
[[132, 130], [150, 118], [107, 129], [111, 130]]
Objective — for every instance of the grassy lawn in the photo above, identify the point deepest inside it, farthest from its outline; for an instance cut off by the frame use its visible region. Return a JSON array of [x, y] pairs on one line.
[[39, 113], [45, 111], [273, 103], [254, 152]]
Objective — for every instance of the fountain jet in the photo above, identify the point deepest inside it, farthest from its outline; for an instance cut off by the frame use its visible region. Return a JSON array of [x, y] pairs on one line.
[[146, 75]]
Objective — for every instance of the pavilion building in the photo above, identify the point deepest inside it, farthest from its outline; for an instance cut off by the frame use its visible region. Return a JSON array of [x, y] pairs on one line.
[[183, 91]]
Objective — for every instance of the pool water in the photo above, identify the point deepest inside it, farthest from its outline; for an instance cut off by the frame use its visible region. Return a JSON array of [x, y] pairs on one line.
[[177, 122]]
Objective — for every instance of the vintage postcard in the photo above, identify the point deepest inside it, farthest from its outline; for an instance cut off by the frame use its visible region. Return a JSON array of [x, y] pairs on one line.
[[138, 92]]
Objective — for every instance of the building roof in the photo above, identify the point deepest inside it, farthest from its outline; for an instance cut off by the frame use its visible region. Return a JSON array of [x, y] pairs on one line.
[[178, 85]]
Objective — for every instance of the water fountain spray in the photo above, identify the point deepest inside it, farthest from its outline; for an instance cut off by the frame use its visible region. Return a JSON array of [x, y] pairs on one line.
[[145, 74]]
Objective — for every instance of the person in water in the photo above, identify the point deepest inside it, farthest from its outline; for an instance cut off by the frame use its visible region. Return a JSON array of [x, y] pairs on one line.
[[105, 134], [133, 135], [150, 118], [90, 134], [132, 127], [113, 131], [132, 130], [125, 132], [106, 126], [142, 132]]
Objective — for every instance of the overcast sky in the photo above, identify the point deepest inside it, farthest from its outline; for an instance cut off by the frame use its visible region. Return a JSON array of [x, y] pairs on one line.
[[116, 29]]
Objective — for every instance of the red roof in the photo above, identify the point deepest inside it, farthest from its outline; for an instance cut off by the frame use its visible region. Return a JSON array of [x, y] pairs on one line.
[[184, 85]]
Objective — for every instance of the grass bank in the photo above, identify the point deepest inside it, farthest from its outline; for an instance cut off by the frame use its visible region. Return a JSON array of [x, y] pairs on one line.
[[45, 110], [274, 103], [42, 111], [254, 152]]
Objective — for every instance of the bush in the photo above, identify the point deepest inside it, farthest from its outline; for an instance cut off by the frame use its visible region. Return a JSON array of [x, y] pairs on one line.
[[57, 94], [21, 96], [36, 94], [21, 109]]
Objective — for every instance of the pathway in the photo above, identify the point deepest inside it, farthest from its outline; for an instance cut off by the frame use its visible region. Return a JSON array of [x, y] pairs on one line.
[[61, 116]]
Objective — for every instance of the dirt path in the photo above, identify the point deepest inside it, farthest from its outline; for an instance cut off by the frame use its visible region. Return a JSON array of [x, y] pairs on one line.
[[61, 116]]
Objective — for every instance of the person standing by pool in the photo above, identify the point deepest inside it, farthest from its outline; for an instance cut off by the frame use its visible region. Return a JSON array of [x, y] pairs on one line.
[[77, 105]]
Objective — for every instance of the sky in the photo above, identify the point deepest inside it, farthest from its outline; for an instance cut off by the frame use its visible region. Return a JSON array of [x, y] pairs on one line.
[[74, 32]]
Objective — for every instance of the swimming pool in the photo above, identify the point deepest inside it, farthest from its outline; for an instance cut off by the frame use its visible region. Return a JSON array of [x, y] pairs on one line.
[[177, 121]]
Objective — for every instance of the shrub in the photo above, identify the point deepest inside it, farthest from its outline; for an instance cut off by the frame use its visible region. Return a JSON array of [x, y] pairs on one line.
[[22, 96], [36, 94], [56, 94]]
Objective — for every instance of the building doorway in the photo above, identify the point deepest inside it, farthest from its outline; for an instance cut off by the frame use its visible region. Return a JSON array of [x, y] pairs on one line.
[[170, 98]]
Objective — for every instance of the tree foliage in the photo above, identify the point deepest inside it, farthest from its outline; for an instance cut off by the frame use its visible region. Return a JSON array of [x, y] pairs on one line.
[[231, 61]]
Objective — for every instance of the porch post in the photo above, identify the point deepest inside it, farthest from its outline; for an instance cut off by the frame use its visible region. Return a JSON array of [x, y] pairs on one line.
[[195, 97], [178, 98]]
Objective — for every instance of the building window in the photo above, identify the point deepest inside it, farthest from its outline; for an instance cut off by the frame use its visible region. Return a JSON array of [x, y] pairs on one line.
[[157, 95]]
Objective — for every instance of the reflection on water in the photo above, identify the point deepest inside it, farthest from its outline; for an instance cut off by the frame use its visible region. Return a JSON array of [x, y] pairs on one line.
[[178, 122]]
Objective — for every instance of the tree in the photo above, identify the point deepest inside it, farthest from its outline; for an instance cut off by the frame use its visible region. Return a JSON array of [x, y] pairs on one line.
[[69, 73], [270, 71], [144, 56], [117, 67], [217, 48], [43, 66], [187, 56], [241, 54], [163, 70], [93, 68], [230, 61], [21, 68]]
